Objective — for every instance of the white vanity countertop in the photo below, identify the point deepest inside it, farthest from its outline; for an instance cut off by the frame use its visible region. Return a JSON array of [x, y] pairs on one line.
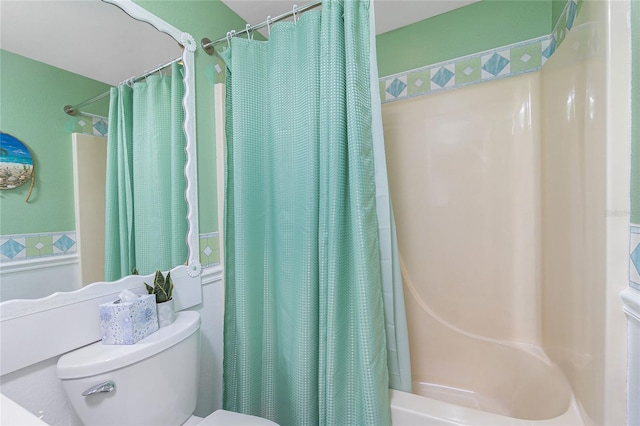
[[14, 415]]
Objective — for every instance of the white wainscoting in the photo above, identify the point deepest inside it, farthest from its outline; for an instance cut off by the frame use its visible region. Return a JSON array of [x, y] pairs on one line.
[[39, 277]]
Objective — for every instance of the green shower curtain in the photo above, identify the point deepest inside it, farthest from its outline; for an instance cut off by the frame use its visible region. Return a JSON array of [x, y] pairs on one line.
[[304, 334], [146, 212]]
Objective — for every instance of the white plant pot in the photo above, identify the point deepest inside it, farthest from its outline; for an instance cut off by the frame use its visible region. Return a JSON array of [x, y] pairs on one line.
[[166, 314]]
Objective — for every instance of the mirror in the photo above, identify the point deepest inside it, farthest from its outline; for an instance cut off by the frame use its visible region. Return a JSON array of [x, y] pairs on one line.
[[181, 42]]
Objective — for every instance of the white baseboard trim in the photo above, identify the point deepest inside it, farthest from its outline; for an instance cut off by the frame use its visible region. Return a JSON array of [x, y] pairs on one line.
[[38, 263], [212, 274]]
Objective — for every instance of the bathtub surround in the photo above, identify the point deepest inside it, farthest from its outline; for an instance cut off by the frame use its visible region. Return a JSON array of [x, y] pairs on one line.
[[580, 264], [585, 103], [464, 174]]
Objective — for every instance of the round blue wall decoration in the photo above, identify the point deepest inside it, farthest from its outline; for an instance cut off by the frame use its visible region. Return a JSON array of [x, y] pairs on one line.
[[16, 163]]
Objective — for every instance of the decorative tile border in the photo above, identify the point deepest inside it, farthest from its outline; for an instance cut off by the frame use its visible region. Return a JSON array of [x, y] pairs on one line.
[[634, 256], [87, 124], [501, 62], [210, 249], [31, 246]]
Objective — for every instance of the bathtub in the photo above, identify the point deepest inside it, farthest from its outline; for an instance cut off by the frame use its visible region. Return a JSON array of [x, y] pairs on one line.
[[409, 409], [462, 378], [486, 383]]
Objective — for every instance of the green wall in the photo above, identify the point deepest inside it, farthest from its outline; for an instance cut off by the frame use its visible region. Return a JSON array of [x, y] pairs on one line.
[[210, 19], [471, 29], [557, 6], [635, 105], [36, 115], [32, 96]]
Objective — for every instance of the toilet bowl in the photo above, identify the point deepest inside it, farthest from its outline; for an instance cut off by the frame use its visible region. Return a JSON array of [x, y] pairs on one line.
[[152, 382]]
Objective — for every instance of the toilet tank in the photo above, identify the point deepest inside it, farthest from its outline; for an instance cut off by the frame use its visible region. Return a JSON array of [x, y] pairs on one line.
[[156, 379]]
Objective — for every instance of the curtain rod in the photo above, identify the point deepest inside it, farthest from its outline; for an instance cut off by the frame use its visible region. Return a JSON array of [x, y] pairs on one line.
[[208, 45], [73, 110]]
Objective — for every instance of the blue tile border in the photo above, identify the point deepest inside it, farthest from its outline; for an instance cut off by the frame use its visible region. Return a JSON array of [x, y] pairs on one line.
[[501, 62], [17, 247], [88, 124]]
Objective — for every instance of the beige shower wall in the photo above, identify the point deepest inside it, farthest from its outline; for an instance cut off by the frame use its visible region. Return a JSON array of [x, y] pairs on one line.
[[585, 165], [573, 188], [465, 188]]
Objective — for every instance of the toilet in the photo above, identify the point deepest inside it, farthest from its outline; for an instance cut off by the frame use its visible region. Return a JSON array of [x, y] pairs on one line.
[[152, 382]]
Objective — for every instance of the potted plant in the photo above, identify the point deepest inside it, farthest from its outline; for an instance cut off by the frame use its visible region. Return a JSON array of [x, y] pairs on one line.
[[163, 289]]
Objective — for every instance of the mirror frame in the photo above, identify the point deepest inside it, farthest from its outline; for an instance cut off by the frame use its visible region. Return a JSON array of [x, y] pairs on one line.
[[189, 104], [64, 321]]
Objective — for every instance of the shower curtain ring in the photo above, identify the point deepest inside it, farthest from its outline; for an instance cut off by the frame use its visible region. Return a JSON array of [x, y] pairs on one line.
[[247, 28], [229, 39], [268, 25], [295, 12]]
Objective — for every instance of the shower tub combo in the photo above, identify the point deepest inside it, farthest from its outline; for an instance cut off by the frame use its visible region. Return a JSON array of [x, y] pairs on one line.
[[469, 187], [468, 237]]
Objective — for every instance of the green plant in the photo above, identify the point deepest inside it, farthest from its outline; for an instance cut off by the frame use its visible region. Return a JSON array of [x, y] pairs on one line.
[[162, 287]]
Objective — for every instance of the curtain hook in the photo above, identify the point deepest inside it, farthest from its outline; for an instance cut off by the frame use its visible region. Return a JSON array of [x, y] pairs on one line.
[[247, 28], [295, 11], [269, 25], [229, 39]]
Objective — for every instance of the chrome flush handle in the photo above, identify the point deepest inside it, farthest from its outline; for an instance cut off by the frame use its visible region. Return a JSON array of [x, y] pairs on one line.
[[109, 386]]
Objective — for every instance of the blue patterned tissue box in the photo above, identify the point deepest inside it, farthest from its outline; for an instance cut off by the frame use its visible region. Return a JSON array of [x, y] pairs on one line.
[[124, 323]]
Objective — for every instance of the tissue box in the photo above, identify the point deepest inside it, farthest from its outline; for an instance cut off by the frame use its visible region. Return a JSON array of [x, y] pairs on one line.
[[124, 323]]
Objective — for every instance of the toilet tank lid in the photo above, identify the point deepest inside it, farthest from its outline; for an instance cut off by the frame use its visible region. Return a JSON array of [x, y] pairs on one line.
[[98, 358]]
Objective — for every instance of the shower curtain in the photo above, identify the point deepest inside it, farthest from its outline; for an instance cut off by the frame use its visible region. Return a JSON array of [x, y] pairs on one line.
[[304, 335], [146, 212]]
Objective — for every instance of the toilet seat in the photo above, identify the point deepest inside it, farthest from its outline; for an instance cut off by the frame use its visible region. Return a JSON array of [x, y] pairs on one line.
[[229, 418]]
